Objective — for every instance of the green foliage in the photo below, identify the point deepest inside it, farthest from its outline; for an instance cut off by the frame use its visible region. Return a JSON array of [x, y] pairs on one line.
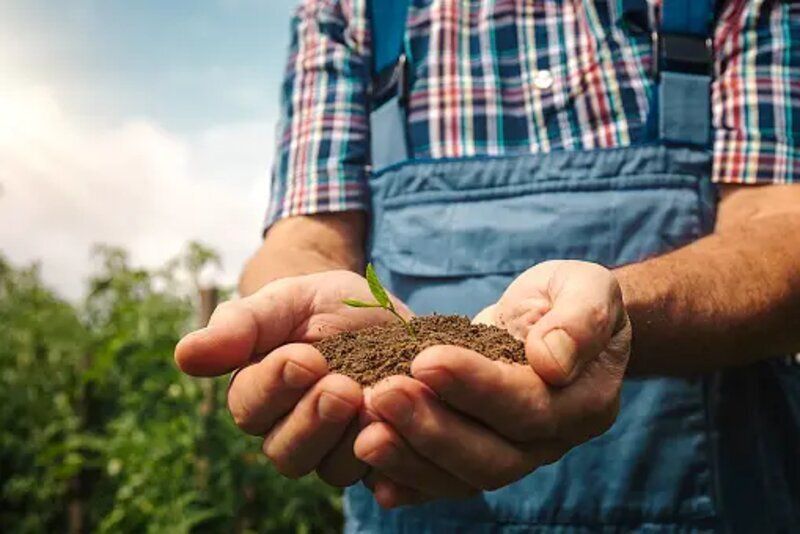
[[100, 431], [376, 288], [381, 297]]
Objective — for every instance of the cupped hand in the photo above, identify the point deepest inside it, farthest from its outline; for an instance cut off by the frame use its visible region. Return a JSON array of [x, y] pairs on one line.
[[464, 423], [282, 389]]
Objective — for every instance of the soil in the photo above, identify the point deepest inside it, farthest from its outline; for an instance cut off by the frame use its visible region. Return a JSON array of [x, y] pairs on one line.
[[374, 353]]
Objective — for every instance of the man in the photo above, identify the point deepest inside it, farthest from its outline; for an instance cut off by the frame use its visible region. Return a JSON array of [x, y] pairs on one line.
[[555, 169]]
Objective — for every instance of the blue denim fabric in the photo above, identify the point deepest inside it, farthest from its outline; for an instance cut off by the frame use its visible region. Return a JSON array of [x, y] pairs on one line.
[[448, 236]]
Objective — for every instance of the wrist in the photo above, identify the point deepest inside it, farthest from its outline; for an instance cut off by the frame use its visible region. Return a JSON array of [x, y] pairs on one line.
[[270, 264], [304, 245], [644, 296]]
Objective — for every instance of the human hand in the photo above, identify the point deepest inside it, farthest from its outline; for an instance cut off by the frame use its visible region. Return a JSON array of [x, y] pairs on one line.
[[283, 390], [465, 423]]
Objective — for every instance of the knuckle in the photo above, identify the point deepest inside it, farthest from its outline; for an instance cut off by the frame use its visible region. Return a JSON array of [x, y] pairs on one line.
[[427, 440], [541, 420], [226, 308], [600, 316], [277, 287]]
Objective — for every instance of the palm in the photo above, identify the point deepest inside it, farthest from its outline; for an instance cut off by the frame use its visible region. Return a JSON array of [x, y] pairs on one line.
[[324, 312], [527, 303]]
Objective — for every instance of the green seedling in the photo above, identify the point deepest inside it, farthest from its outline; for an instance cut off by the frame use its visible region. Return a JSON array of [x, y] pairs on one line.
[[382, 299]]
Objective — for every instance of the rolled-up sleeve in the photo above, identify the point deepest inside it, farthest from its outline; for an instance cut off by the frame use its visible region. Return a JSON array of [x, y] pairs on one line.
[[323, 137], [756, 93]]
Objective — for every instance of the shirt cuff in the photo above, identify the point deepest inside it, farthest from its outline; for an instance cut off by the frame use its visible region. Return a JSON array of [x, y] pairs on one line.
[[324, 193], [753, 159]]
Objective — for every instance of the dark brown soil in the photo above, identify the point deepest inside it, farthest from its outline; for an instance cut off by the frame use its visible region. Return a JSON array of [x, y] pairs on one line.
[[369, 355]]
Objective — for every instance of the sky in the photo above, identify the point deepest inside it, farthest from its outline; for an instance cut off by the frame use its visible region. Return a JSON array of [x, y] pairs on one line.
[[143, 124]]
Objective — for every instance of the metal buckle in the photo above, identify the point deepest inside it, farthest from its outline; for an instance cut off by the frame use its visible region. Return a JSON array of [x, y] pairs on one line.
[[682, 53], [391, 81]]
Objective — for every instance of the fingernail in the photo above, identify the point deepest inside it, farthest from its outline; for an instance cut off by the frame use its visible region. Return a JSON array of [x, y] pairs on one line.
[[438, 380], [296, 376], [332, 408], [562, 349], [267, 440], [395, 406]]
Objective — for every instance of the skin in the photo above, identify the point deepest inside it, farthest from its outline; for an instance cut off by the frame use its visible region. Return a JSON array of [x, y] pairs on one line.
[[463, 423]]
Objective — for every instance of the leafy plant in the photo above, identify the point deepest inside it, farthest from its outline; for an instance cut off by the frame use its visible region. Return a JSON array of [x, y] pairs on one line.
[[382, 299], [100, 432]]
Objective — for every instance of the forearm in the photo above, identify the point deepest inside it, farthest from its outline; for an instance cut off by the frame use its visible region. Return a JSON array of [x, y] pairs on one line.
[[728, 299], [304, 245]]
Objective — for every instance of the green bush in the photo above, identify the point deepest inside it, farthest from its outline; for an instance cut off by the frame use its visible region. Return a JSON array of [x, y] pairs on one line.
[[100, 432]]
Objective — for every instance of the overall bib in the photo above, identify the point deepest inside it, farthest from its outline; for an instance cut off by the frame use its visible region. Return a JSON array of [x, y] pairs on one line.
[[712, 452]]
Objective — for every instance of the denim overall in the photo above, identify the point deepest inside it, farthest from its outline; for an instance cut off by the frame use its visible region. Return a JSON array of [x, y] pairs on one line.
[[717, 452]]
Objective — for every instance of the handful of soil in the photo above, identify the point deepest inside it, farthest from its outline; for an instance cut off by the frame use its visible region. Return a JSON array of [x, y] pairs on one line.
[[372, 354]]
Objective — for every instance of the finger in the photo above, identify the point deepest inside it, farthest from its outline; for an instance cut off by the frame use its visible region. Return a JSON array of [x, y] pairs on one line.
[[486, 315], [263, 392], [340, 467], [518, 315], [382, 448], [509, 398], [390, 494], [513, 400], [585, 312], [304, 437], [461, 447], [239, 329]]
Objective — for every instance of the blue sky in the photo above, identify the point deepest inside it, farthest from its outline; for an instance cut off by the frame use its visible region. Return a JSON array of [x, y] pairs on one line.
[[188, 63], [140, 123]]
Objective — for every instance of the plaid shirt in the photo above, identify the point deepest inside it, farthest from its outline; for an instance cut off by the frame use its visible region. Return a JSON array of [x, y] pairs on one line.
[[501, 77]]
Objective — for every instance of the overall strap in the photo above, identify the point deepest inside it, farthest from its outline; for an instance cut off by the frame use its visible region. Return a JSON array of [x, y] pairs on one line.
[[389, 87], [388, 32], [683, 61]]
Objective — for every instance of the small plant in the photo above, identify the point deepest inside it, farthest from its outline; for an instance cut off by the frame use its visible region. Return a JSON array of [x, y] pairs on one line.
[[382, 299]]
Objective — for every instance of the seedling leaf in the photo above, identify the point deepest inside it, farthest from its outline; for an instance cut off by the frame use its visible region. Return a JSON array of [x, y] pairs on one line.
[[376, 288], [361, 304], [382, 298]]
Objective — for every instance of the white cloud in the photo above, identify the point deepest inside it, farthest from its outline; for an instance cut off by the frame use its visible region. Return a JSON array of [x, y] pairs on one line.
[[66, 186]]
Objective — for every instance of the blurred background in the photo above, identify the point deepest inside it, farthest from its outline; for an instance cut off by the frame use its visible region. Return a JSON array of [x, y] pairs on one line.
[[135, 144]]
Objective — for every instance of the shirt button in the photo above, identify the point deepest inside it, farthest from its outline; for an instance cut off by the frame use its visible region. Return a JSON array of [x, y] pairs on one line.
[[543, 80]]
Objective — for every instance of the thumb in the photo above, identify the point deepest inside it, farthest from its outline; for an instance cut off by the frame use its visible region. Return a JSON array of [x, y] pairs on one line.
[[486, 316], [586, 310], [241, 329]]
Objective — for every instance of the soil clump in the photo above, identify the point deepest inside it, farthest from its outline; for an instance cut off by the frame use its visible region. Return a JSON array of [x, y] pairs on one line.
[[372, 354]]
